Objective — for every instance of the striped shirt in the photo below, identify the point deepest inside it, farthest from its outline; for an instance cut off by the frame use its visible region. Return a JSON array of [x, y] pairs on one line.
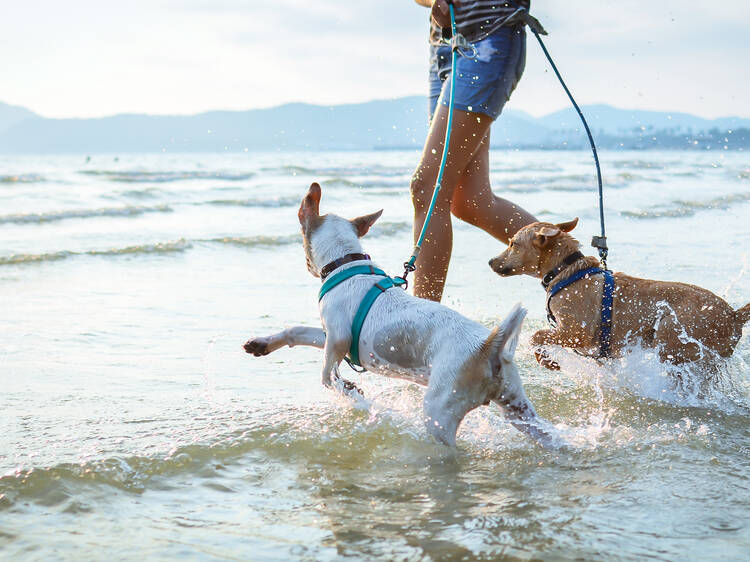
[[476, 17]]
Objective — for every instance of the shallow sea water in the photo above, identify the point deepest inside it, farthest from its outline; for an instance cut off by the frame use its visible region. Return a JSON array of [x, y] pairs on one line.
[[133, 424]]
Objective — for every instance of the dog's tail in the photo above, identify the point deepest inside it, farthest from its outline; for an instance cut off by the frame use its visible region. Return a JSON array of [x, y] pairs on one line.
[[743, 315]]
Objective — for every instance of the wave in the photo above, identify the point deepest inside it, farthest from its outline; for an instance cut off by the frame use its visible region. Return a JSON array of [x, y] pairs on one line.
[[158, 248], [289, 201], [136, 176], [380, 230], [384, 229], [379, 182], [280, 431], [147, 193], [626, 177], [642, 164], [743, 174], [568, 182], [678, 209], [53, 216], [392, 228], [291, 170], [339, 171], [530, 167], [23, 178], [257, 241]]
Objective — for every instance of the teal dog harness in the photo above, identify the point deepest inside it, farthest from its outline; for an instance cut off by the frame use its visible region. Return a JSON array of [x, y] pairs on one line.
[[371, 296]]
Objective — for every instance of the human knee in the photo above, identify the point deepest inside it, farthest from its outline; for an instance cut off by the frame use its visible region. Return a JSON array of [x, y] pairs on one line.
[[420, 192], [467, 211]]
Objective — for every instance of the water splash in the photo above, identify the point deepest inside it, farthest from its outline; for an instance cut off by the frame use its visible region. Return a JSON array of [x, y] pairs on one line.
[[638, 371]]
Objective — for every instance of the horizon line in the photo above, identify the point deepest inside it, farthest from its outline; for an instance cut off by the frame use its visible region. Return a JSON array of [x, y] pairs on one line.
[[355, 103]]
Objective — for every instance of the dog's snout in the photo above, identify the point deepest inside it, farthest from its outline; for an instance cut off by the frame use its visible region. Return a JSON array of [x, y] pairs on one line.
[[496, 265]]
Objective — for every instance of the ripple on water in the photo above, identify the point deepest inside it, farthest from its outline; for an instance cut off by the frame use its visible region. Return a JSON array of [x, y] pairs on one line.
[[707, 527]]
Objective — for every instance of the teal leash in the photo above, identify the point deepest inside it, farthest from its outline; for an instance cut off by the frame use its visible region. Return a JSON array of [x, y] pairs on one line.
[[456, 43]]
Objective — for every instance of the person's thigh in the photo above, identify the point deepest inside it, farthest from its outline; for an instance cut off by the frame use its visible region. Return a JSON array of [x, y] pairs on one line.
[[474, 189], [467, 132]]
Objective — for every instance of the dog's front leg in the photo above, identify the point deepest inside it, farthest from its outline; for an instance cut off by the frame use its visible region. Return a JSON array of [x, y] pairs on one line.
[[333, 356], [538, 341], [298, 335], [330, 367], [442, 414]]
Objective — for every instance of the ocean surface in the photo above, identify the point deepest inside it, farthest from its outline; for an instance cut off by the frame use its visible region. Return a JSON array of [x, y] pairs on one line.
[[132, 424]]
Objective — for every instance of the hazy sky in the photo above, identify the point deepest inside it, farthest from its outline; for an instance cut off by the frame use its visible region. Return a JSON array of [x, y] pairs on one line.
[[82, 58]]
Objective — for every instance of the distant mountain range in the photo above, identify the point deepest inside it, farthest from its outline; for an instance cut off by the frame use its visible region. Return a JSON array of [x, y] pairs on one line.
[[384, 124]]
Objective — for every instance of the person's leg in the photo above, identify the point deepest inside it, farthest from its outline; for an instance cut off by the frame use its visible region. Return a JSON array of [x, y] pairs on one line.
[[468, 131], [474, 202]]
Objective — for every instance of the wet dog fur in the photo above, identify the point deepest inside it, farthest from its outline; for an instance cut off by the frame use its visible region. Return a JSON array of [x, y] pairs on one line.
[[685, 323], [463, 364]]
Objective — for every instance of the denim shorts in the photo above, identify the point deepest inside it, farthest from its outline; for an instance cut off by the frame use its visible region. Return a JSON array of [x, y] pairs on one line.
[[484, 83]]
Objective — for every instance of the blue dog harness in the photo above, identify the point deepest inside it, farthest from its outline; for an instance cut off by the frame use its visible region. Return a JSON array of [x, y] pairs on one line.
[[364, 307], [605, 331]]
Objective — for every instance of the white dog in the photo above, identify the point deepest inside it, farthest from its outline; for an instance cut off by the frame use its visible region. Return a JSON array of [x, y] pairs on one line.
[[462, 363]]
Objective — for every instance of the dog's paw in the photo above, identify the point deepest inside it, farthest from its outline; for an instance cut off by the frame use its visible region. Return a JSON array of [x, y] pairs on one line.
[[349, 386], [257, 347], [545, 361]]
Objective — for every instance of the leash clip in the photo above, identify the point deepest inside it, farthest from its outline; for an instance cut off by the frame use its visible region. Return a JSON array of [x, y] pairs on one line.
[[460, 44], [403, 282], [600, 243]]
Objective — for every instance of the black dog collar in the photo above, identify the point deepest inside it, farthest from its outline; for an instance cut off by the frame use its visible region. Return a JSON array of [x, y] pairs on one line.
[[328, 268], [570, 260]]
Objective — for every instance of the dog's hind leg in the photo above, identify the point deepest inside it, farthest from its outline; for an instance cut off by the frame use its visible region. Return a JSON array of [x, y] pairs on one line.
[[298, 335]]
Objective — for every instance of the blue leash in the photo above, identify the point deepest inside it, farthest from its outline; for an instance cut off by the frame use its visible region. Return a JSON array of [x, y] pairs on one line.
[[599, 242]]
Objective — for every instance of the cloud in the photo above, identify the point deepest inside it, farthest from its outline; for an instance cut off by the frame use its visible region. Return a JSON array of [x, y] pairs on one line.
[[83, 58]]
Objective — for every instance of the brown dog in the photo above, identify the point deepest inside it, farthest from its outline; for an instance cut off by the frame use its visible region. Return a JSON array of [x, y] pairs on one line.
[[684, 322]]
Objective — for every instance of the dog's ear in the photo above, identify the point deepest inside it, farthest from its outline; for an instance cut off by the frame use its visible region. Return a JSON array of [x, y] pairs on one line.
[[512, 325], [504, 340], [544, 235], [310, 206], [567, 226], [362, 224]]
